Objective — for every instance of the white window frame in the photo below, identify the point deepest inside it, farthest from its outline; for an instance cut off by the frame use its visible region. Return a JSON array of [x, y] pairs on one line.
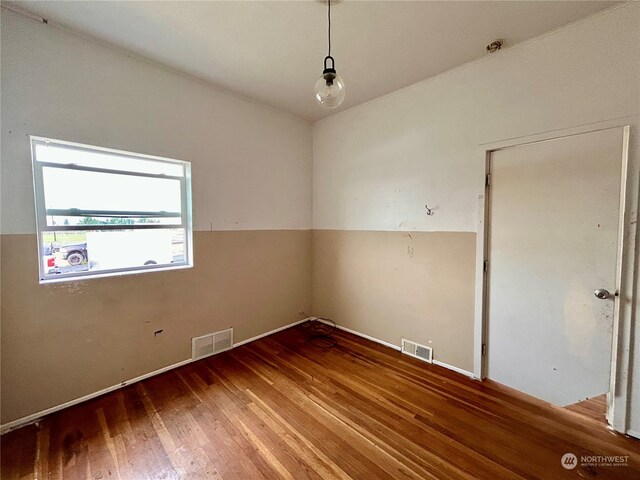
[[41, 213]]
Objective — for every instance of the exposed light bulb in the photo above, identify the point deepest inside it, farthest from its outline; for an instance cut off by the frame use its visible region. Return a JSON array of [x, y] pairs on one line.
[[329, 89]]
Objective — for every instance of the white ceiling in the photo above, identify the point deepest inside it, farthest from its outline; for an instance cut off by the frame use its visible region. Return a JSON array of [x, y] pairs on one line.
[[272, 51]]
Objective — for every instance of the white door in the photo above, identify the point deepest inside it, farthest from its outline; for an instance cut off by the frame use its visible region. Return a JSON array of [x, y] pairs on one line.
[[552, 242]]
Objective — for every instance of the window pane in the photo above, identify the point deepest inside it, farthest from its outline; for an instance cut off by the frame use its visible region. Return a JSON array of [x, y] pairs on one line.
[[109, 193], [51, 152], [89, 220], [75, 247], [68, 253], [104, 211]]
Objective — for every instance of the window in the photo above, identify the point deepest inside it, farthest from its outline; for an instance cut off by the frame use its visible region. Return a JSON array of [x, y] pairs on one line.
[[103, 212]]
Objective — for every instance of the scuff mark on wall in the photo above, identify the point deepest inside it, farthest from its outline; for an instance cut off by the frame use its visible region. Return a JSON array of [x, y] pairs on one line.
[[72, 288]]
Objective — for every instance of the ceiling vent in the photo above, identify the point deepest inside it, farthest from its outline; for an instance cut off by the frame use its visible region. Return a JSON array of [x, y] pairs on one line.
[[418, 351], [211, 343]]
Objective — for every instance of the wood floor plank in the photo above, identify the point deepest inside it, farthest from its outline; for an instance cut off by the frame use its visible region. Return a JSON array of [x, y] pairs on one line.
[[594, 408], [397, 445], [307, 425], [279, 408]]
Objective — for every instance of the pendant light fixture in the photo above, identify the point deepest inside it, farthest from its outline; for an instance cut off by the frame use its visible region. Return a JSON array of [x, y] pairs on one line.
[[329, 89]]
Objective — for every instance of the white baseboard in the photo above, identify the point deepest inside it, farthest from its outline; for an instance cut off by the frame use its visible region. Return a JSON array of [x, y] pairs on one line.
[[359, 334], [633, 433], [271, 332], [37, 416], [396, 347], [455, 369], [21, 422]]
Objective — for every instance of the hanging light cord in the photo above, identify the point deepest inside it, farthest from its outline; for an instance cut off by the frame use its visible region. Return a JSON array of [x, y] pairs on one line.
[[329, 33]]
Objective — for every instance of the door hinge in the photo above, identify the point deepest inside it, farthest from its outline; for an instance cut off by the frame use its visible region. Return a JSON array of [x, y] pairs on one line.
[[484, 349], [485, 265], [487, 181]]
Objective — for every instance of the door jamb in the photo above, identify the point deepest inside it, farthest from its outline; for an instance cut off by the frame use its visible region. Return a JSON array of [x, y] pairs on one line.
[[620, 392]]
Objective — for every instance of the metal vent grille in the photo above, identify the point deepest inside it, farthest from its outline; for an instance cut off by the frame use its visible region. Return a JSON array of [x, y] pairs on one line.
[[416, 350], [211, 343]]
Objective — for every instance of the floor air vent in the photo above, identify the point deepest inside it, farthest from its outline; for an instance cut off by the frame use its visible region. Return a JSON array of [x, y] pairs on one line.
[[418, 351], [211, 343]]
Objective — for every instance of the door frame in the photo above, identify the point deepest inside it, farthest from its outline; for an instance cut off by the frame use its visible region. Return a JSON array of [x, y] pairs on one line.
[[620, 391]]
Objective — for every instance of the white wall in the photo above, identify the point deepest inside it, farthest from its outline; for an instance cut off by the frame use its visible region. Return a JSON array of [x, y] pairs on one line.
[[251, 169], [377, 165], [251, 165]]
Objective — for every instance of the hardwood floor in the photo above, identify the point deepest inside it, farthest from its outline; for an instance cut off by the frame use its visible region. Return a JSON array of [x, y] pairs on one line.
[[278, 408], [595, 408]]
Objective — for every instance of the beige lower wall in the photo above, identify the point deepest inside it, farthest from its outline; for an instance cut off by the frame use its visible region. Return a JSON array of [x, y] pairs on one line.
[[63, 341], [66, 340], [390, 285]]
